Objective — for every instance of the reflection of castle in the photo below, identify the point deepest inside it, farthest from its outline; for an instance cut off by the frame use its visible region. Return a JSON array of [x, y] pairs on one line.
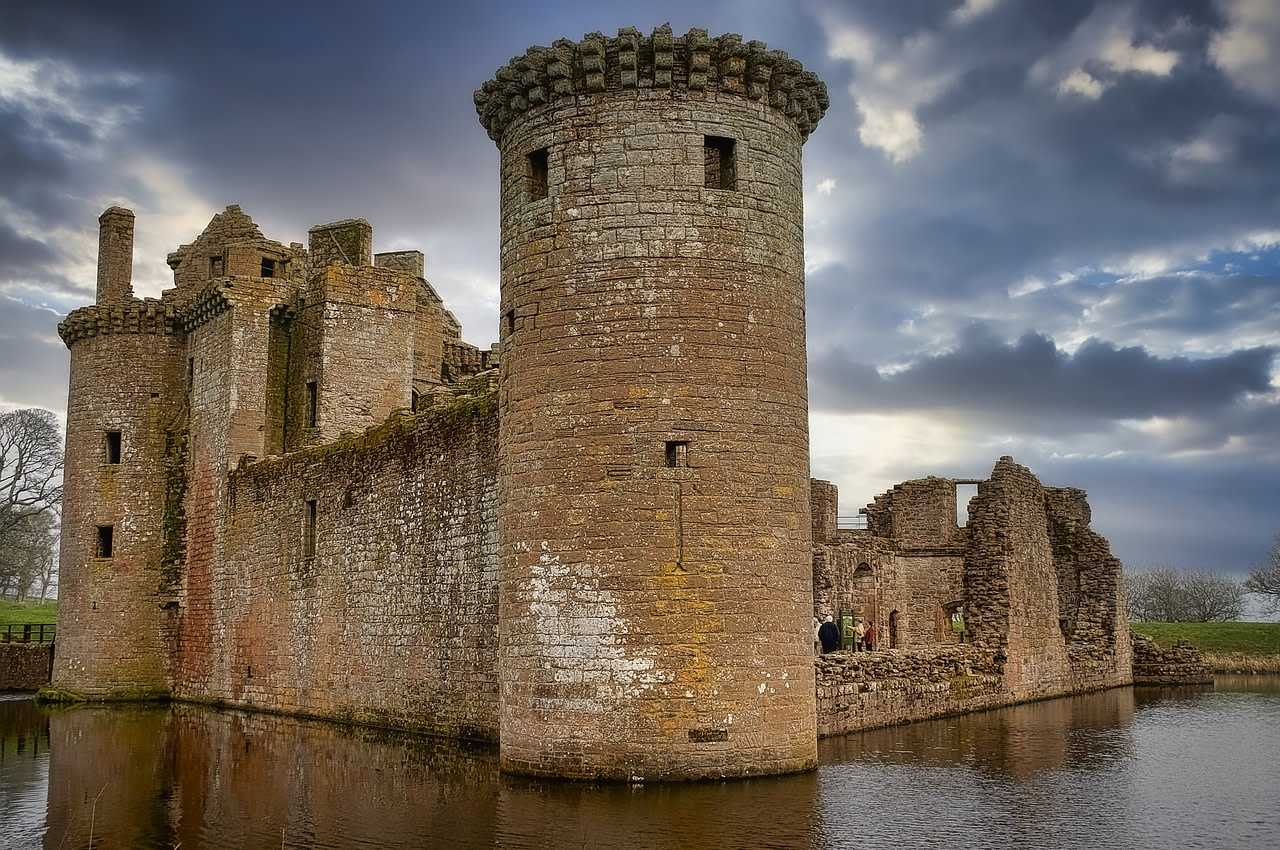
[[291, 485]]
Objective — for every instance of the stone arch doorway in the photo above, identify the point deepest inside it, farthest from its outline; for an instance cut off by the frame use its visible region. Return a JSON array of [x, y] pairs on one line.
[[862, 593], [893, 629]]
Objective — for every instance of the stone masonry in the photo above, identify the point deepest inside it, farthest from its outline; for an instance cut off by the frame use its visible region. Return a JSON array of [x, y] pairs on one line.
[[292, 486]]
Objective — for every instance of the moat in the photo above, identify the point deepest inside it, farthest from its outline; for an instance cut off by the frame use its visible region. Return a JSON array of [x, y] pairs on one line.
[[1124, 768]]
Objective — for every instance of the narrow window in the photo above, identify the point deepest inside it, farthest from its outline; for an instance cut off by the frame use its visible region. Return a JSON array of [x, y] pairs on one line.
[[191, 373], [677, 453], [538, 175], [413, 400], [113, 447], [309, 530], [511, 321], [106, 533], [268, 267], [964, 492], [311, 404], [721, 166], [216, 267]]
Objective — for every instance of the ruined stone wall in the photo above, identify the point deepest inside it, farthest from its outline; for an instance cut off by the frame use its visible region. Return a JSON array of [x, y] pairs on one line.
[[864, 690], [25, 666], [1042, 589], [125, 377], [1180, 664], [656, 601], [925, 584], [393, 620]]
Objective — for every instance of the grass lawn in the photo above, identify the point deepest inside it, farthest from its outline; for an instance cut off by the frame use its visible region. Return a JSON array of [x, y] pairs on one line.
[[1246, 638], [27, 612]]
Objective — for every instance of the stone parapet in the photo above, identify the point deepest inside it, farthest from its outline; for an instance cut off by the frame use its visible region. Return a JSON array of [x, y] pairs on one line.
[[1180, 664], [138, 316], [630, 61]]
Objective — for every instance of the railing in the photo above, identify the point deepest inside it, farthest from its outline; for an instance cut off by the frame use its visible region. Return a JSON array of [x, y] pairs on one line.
[[857, 522], [27, 633]]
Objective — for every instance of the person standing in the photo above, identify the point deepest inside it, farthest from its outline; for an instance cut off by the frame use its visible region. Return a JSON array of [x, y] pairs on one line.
[[869, 639], [829, 635], [859, 632], [817, 644]]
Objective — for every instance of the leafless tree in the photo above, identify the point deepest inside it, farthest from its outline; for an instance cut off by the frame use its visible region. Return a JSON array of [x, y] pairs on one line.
[[30, 466], [1164, 594], [1265, 580], [28, 556]]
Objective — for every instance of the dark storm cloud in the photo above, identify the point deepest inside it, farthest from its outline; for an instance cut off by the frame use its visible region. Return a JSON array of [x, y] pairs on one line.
[[1138, 217], [33, 361], [1099, 381]]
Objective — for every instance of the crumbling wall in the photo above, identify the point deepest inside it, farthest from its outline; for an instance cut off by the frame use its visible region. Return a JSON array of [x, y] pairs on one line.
[[863, 690], [1091, 603], [1180, 664], [1042, 589], [393, 619]]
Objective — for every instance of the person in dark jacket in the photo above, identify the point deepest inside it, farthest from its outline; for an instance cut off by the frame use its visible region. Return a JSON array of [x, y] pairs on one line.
[[829, 635]]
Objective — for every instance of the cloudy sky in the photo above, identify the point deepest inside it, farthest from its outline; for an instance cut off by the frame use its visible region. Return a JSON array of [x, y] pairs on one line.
[[1050, 230]]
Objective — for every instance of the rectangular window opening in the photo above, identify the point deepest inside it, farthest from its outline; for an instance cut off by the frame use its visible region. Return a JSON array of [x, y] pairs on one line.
[[268, 267], [113, 447], [511, 322], [216, 267], [413, 400], [721, 164], [191, 373], [309, 530], [677, 453], [106, 535], [538, 175], [964, 492], [312, 400]]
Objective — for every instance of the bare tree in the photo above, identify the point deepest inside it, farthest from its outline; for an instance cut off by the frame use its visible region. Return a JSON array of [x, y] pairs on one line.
[[1265, 580], [1166, 595], [28, 556], [1212, 598], [30, 466]]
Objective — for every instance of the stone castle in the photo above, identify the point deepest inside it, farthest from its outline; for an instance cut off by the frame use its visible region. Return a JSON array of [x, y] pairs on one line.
[[290, 485]]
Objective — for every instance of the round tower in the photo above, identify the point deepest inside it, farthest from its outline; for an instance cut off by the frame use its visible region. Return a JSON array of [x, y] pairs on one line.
[[654, 530], [113, 583]]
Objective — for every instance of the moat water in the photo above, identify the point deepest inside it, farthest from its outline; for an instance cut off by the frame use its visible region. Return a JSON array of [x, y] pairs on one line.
[[1152, 768]]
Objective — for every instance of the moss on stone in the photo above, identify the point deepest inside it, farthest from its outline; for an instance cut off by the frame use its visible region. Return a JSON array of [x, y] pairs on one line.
[[138, 694]]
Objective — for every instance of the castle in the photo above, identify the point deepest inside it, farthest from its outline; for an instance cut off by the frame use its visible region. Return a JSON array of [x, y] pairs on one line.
[[290, 484]]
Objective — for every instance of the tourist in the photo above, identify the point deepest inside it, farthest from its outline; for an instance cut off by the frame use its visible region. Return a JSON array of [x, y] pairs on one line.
[[859, 632], [869, 639], [829, 635], [817, 644]]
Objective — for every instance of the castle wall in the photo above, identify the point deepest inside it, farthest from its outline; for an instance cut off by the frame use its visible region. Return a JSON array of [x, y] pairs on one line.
[[112, 635], [864, 690], [656, 620], [393, 620]]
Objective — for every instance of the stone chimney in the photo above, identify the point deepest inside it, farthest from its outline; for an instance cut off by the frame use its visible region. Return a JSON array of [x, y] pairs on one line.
[[115, 255]]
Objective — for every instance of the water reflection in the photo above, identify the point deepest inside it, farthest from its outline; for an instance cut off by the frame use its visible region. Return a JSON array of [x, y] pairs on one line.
[[1137, 768]]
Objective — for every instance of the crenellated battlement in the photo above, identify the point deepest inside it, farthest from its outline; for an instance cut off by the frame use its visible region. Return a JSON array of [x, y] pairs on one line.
[[139, 316], [630, 61]]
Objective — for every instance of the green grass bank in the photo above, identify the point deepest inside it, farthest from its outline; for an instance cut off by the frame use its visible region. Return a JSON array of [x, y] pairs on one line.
[[27, 612], [1227, 647]]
